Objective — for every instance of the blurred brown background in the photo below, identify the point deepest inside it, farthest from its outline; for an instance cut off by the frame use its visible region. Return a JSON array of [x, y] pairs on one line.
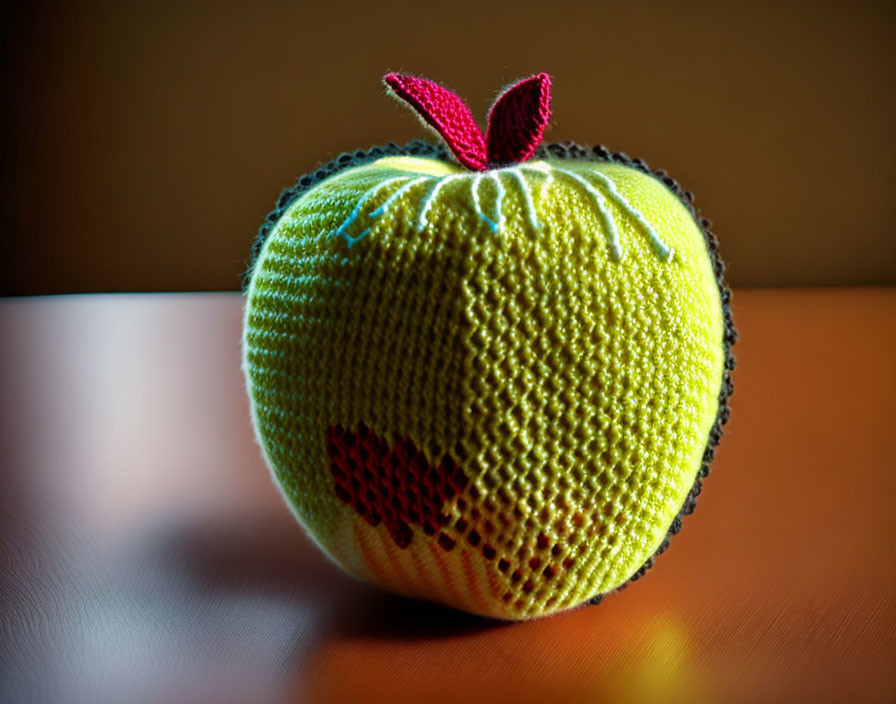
[[144, 142]]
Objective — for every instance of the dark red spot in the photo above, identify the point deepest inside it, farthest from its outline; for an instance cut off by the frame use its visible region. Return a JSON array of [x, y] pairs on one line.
[[503, 565], [393, 485], [489, 552], [343, 494], [473, 538], [528, 586], [403, 535], [548, 572]]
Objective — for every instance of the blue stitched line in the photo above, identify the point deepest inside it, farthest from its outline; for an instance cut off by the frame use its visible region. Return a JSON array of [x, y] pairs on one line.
[[342, 229]]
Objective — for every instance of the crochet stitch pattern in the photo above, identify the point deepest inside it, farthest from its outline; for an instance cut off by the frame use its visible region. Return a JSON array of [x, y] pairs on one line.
[[447, 114], [497, 389], [517, 121]]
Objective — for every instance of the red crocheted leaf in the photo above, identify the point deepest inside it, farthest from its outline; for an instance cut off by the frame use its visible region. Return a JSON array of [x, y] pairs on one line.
[[446, 113], [518, 119]]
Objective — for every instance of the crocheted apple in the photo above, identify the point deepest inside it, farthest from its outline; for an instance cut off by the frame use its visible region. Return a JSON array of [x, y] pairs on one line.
[[494, 380]]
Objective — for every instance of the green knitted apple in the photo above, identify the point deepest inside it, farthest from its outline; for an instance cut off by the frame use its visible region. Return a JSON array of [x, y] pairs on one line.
[[493, 381]]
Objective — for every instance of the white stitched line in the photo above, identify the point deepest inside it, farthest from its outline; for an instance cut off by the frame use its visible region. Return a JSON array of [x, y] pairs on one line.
[[430, 200], [601, 202], [660, 247], [385, 206], [499, 198], [530, 206], [544, 170], [475, 189], [398, 194]]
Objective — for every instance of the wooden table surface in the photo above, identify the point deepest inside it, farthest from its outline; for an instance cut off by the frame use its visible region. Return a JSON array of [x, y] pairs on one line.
[[148, 557]]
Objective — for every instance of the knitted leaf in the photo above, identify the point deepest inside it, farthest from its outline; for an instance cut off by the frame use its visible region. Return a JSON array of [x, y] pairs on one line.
[[518, 119], [446, 113]]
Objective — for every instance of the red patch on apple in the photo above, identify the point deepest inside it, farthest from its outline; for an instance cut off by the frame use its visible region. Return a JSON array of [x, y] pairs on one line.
[[393, 484]]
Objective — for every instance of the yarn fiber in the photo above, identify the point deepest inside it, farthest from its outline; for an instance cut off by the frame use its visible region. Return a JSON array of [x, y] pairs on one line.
[[492, 390]]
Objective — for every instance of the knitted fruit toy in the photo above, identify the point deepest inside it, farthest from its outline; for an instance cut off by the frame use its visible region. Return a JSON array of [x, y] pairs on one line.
[[494, 381]]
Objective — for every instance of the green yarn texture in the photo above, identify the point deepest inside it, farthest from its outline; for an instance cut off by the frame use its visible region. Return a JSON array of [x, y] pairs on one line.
[[555, 329]]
